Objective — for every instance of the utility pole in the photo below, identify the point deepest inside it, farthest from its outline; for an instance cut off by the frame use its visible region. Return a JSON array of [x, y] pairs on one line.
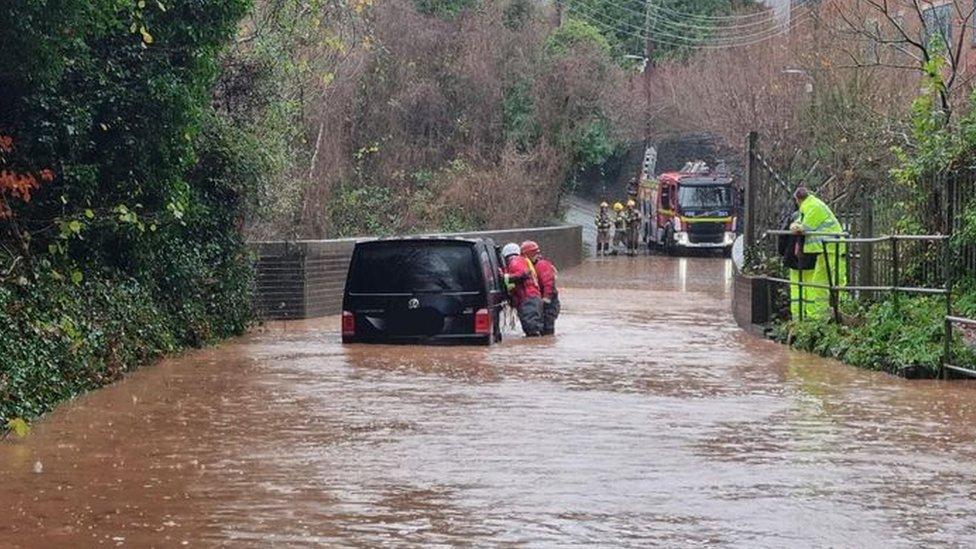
[[752, 187], [648, 41], [648, 63]]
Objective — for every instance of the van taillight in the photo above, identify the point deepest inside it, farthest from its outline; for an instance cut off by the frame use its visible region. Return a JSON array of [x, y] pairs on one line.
[[482, 322], [348, 323]]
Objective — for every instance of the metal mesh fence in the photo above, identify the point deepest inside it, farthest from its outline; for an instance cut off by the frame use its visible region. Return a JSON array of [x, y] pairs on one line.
[[898, 236], [933, 206]]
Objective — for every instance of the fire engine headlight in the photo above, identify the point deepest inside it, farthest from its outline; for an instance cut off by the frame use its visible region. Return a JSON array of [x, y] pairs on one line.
[[729, 238], [681, 237]]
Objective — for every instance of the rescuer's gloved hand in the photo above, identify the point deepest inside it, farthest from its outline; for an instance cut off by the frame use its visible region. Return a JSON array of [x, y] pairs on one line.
[[796, 227], [547, 301], [509, 285]]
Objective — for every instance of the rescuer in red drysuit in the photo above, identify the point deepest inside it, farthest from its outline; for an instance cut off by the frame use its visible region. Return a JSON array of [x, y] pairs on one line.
[[547, 274], [523, 289]]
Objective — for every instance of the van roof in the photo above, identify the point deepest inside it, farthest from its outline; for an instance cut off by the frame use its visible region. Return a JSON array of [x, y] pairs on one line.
[[431, 238]]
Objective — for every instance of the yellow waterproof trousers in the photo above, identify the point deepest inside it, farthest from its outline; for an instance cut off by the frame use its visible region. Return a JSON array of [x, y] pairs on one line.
[[807, 302]]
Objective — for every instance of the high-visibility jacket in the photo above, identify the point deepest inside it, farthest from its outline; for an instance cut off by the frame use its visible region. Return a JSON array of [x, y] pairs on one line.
[[547, 277], [603, 221], [521, 273], [620, 221], [632, 217], [816, 217]]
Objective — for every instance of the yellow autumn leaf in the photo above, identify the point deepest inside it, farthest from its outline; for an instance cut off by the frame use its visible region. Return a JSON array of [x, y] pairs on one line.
[[19, 427], [146, 37]]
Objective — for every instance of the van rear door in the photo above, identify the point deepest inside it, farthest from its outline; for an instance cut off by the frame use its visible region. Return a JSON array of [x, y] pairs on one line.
[[412, 288]]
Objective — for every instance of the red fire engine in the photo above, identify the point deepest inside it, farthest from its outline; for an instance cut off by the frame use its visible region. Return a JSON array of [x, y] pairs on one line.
[[691, 208]]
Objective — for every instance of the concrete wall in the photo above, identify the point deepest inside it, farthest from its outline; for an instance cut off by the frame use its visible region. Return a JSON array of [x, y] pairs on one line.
[[305, 278], [750, 302]]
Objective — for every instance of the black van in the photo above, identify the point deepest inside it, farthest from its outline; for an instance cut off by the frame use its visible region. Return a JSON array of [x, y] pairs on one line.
[[423, 290]]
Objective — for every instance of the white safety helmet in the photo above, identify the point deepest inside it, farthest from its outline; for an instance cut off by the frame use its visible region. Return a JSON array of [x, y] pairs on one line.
[[511, 249]]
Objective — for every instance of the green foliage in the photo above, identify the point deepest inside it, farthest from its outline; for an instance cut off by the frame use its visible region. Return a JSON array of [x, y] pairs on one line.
[[895, 335], [357, 210], [621, 37], [691, 27], [134, 249], [517, 13], [457, 220], [964, 296], [71, 338], [583, 130], [521, 127], [592, 144], [444, 8], [525, 104], [934, 144], [18, 426], [939, 146], [965, 237], [674, 24], [574, 35]]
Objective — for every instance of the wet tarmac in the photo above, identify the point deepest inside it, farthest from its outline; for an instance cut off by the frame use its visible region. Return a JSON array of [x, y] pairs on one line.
[[649, 420]]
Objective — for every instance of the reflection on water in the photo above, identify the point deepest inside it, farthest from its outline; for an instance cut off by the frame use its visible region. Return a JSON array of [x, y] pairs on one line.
[[682, 276], [650, 419]]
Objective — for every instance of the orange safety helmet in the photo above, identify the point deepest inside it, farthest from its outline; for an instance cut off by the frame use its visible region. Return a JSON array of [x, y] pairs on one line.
[[529, 248]]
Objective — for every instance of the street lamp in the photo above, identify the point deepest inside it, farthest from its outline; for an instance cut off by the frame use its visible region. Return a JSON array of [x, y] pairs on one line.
[[641, 58]]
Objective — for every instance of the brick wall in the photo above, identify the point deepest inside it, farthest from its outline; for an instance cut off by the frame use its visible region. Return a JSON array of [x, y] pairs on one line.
[[305, 278]]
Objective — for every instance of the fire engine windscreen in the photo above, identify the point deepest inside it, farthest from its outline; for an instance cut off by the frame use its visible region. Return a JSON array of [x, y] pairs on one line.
[[705, 198]]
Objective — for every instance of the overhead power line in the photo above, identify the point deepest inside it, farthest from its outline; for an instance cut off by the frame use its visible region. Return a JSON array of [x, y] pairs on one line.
[[680, 26], [690, 41], [657, 13], [733, 17], [715, 37]]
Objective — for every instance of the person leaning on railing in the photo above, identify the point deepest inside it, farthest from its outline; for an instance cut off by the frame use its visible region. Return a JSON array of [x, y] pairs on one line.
[[817, 223]]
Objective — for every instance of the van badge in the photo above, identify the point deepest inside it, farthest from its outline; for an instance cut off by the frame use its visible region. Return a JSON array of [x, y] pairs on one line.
[[413, 303]]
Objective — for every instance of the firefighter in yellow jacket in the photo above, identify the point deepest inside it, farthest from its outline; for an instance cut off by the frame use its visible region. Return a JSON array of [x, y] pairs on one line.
[[619, 227], [632, 217], [815, 218]]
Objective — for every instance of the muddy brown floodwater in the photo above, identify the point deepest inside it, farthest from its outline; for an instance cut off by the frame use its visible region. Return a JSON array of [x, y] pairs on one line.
[[650, 419]]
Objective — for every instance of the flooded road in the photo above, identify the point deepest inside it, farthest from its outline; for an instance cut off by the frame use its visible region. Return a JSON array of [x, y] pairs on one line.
[[649, 420]]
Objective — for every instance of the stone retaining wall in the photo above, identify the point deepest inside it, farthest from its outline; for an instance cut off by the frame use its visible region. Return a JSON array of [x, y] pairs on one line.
[[305, 278]]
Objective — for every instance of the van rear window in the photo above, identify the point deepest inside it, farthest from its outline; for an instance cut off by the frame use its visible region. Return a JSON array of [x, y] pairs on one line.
[[407, 267]]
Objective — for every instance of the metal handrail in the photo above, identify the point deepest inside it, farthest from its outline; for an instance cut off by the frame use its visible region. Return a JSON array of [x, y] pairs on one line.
[[961, 320], [894, 239], [960, 369], [889, 238], [778, 232], [844, 237], [903, 289]]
